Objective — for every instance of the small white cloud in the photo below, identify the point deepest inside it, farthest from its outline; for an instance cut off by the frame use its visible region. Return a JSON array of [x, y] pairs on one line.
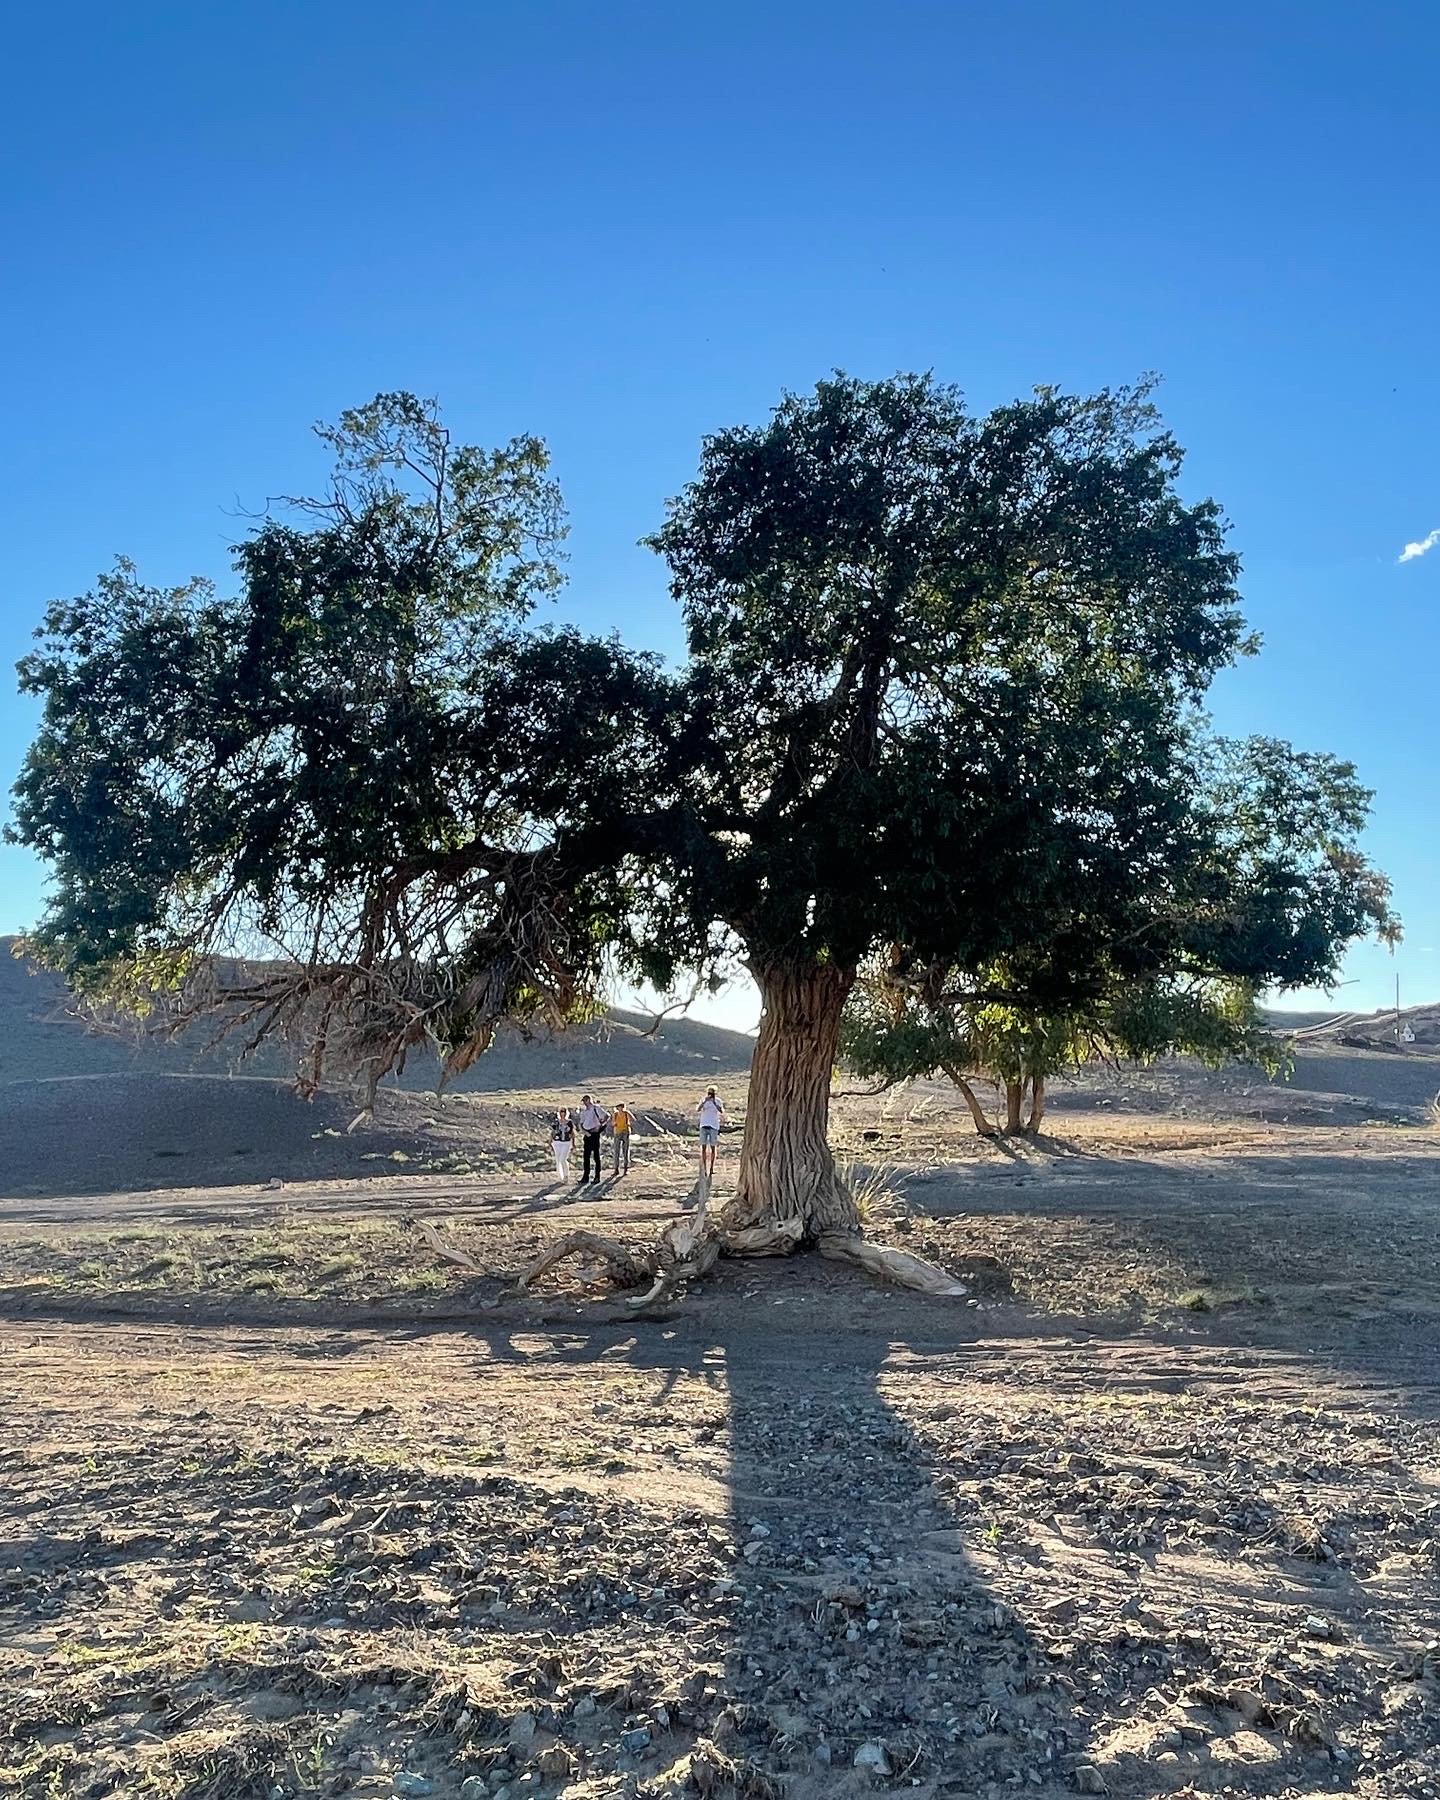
[[1428, 542]]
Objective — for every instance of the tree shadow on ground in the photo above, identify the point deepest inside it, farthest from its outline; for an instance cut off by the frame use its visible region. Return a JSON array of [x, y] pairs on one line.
[[961, 1594], [898, 1619], [980, 1566]]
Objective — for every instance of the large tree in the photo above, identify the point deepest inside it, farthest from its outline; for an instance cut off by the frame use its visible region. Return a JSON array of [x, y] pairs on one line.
[[939, 694]]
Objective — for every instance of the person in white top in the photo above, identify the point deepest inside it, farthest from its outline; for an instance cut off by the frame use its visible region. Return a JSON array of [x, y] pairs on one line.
[[562, 1139], [593, 1120], [712, 1114]]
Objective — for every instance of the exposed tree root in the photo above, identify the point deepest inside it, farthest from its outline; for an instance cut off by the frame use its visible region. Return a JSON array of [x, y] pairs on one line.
[[623, 1266], [891, 1264], [780, 1239], [690, 1246]]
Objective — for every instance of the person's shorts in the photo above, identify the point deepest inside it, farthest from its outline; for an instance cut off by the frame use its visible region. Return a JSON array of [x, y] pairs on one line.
[[709, 1136]]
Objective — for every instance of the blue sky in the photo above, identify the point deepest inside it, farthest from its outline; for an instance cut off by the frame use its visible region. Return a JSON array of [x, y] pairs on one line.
[[620, 226]]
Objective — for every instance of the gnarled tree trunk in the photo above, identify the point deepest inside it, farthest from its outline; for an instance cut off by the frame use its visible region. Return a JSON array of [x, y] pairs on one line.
[[787, 1173], [788, 1190], [1037, 1104], [1014, 1102]]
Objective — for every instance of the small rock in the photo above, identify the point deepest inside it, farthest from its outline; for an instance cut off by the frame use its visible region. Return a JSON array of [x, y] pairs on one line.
[[821, 1756], [1316, 1626], [474, 1787], [872, 1758], [1193, 1723], [584, 1707], [1250, 1706], [406, 1783], [554, 1762], [522, 1731], [1088, 1780], [635, 1740]]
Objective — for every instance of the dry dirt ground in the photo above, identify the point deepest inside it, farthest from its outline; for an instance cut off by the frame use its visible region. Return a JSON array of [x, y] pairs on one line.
[[290, 1508]]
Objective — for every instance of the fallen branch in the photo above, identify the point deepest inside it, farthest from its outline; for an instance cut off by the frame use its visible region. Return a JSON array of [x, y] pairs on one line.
[[624, 1267], [673, 1275], [461, 1258]]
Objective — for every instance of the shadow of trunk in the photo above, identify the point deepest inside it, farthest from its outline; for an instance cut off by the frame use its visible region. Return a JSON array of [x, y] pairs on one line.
[[868, 1645]]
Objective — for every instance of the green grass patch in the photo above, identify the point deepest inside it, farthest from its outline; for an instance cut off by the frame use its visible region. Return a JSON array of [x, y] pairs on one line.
[[164, 1264], [1211, 1296]]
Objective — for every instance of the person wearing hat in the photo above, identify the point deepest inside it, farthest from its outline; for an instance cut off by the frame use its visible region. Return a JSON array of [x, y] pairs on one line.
[[620, 1122]]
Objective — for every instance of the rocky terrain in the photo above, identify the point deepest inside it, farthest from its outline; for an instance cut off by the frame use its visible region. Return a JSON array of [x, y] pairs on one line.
[[292, 1508]]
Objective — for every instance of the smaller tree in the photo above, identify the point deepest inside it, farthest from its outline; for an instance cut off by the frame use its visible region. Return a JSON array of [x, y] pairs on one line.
[[897, 1031], [1258, 883]]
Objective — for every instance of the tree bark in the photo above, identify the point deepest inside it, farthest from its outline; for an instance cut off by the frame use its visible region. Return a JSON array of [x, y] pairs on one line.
[[1014, 1103], [787, 1173], [1037, 1104], [977, 1112]]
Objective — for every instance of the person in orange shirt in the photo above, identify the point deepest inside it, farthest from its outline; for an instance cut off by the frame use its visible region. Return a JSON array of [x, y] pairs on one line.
[[620, 1129]]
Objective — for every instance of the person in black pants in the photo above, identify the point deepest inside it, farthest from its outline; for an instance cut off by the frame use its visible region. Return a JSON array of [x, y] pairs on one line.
[[593, 1120]]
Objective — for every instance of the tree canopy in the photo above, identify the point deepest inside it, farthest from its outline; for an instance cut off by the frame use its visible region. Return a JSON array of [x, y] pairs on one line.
[[939, 706]]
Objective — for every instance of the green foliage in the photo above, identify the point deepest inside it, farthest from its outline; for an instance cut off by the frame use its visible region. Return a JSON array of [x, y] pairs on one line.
[[274, 750], [897, 1032], [355, 768], [938, 662], [941, 695]]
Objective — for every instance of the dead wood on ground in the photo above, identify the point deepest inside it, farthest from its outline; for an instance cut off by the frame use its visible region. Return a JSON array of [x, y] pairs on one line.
[[691, 1244]]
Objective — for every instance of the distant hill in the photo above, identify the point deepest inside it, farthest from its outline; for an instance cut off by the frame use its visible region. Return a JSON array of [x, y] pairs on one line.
[[1278, 1018], [43, 1037], [1370, 1030]]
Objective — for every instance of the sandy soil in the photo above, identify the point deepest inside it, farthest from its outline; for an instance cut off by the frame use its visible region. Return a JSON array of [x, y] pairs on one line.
[[288, 1508]]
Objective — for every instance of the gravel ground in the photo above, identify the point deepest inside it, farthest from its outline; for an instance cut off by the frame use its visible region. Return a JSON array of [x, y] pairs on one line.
[[290, 1509]]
